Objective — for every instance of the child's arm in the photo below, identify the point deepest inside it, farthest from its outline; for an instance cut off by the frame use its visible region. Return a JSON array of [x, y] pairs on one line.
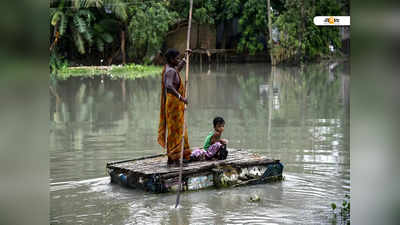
[[223, 141], [215, 138]]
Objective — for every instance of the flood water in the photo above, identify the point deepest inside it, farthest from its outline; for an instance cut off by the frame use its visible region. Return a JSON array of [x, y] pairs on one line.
[[297, 115]]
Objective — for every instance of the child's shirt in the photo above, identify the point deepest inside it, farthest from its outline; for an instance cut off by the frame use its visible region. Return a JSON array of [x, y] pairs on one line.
[[207, 142]]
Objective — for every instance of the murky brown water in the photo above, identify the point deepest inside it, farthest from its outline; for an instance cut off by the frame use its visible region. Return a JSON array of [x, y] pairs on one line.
[[300, 116]]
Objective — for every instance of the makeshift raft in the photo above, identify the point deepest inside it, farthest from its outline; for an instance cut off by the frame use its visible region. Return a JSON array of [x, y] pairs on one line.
[[152, 173]]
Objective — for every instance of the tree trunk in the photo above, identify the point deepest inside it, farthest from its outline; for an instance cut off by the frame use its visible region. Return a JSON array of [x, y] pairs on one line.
[[144, 53], [198, 36], [301, 34], [270, 46], [112, 56], [123, 47]]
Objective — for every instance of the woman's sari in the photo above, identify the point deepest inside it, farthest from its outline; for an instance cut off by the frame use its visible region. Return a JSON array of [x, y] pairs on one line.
[[172, 117]]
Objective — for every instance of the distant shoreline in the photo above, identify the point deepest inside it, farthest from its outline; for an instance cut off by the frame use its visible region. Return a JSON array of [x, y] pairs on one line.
[[130, 71]]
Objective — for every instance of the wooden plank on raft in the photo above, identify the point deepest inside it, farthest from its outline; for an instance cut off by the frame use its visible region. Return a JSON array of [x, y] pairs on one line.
[[151, 173], [158, 163]]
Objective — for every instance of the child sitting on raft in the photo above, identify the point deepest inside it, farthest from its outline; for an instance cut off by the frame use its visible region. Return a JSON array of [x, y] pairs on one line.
[[214, 147]]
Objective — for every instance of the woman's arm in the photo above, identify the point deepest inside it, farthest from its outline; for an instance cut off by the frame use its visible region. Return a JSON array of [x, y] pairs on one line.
[[182, 63], [170, 76]]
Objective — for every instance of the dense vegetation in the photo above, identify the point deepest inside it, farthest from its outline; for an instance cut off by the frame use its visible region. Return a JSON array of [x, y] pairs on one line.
[[97, 32]]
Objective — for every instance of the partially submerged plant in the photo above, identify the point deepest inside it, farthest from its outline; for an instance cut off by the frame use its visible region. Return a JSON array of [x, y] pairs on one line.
[[255, 198], [343, 211]]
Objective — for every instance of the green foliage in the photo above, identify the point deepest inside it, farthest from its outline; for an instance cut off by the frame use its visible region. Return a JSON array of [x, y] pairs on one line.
[[204, 13], [299, 37], [148, 26], [79, 43], [117, 7], [130, 71], [83, 22], [251, 14], [95, 25], [102, 33], [57, 62], [133, 71], [59, 18], [333, 205], [253, 23], [230, 9], [343, 211]]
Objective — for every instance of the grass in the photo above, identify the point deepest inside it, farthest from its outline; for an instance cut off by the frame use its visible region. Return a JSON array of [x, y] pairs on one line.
[[129, 72]]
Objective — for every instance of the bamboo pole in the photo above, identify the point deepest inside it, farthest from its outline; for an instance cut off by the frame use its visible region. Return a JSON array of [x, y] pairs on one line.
[[186, 96]]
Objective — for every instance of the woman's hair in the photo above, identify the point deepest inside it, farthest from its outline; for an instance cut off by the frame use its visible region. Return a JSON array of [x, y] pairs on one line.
[[171, 54], [218, 120]]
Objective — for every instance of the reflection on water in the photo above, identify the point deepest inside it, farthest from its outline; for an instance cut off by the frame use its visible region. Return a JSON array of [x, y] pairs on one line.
[[298, 115]]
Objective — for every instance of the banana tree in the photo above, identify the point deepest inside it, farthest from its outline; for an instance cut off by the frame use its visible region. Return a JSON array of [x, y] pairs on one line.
[[77, 21]]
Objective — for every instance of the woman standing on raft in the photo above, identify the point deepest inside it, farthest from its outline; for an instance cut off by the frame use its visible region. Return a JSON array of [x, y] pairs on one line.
[[172, 108]]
